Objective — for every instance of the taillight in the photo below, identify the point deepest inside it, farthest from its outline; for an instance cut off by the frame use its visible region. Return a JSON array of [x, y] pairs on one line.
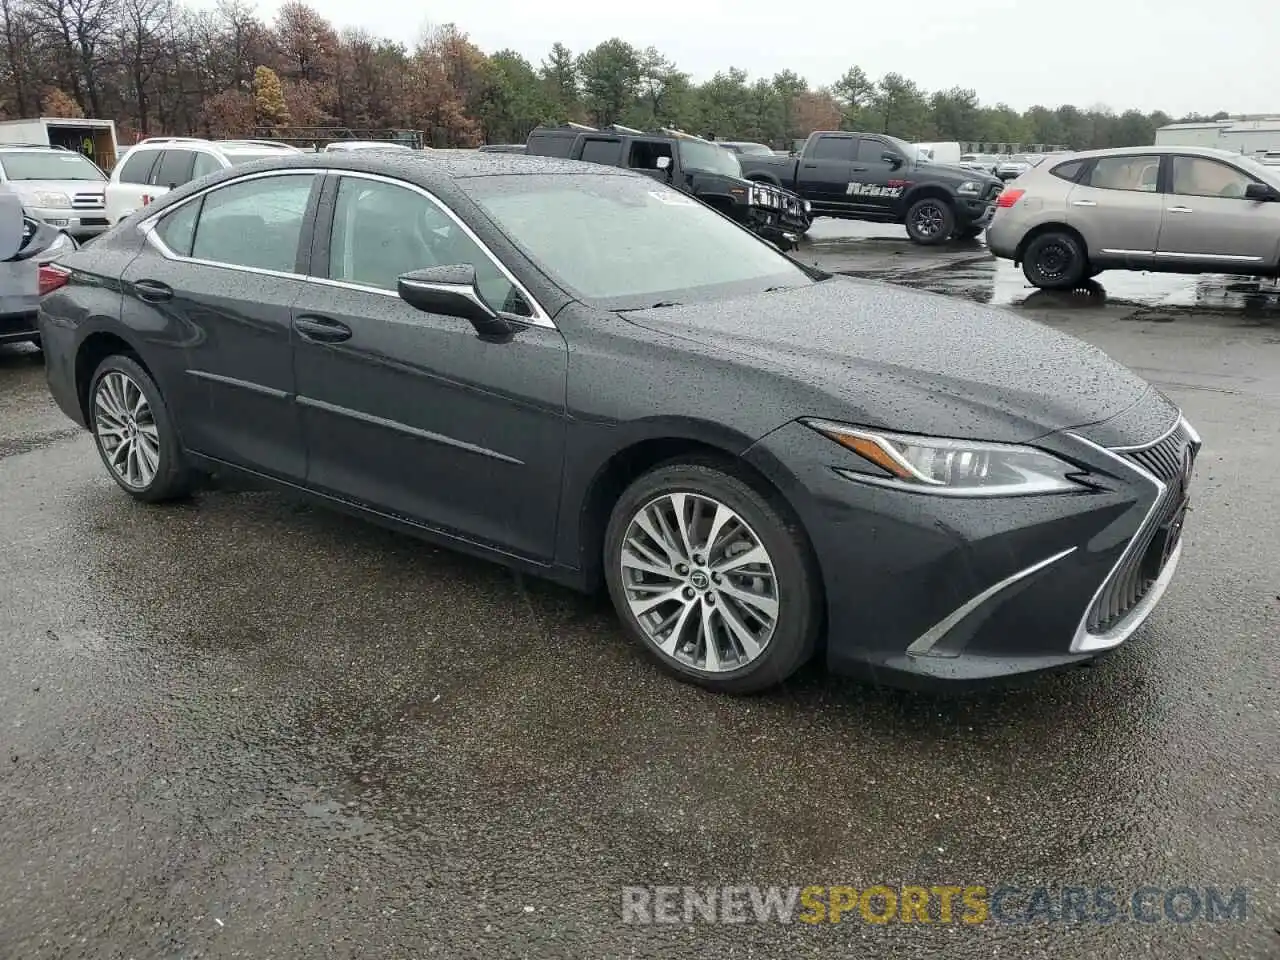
[[52, 277], [1008, 198]]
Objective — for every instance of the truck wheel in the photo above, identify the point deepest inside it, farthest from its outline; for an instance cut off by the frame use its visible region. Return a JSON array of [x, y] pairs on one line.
[[1054, 261], [930, 221]]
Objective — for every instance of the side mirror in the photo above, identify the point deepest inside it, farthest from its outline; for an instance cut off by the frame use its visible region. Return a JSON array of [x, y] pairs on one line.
[[664, 163], [11, 224], [892, 159], [1260, 191], [451, 291]]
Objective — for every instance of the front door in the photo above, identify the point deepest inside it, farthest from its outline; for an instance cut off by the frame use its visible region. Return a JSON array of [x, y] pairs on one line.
[[876, 184], [1117, 207], [412, 413], [1208, 221]]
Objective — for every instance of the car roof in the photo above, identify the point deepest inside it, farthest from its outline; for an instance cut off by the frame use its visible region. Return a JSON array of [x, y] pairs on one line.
[[436, 166], [1160, 150]]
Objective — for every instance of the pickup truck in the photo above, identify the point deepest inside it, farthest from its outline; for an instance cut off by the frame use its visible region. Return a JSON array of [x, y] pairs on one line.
[[871, 176], [700, 168]]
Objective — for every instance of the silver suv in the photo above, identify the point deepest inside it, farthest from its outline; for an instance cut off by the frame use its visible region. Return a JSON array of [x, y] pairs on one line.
[[1170, 209]]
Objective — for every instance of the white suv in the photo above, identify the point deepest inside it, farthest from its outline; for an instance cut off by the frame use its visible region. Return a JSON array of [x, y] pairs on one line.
[[159, 164]]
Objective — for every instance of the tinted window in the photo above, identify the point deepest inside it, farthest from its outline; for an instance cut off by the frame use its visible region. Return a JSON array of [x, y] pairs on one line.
[[205, 164], [381, 231], [1198, 177], [254, 223], [869, 151], [1068, 171], [549, 145], [178, 229], [833, 148], [174, 168], [602, 151], [137, 167], [620, 242], [1139, 173]]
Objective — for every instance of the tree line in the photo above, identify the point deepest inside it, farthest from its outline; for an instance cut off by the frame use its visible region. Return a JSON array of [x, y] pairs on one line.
[[160, 67]]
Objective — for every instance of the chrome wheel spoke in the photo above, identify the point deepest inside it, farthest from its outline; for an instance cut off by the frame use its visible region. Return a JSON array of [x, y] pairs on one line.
[[126, 430], [699, 582]]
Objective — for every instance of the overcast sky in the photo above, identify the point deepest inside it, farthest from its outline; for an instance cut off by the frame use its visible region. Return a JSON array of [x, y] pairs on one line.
[[1180, 56]]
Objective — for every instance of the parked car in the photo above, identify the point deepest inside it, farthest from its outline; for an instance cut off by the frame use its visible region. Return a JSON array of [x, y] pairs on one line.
[[345, 145], [979, 161], [1012, 167], [690, 164], [27, 245], [587, 375], [58, 186], [1171, 209], [858, 176], [157, 165]]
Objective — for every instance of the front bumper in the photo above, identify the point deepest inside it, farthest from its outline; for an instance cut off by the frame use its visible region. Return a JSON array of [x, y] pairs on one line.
[[778, 215], [927, 591], [81, 224], [977, 211]]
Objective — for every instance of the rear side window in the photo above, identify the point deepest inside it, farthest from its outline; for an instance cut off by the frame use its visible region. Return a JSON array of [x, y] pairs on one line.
[[174, 168], [177, 230], [254, 223], [1069, 170], [137, 167], [608, 152], [1140, 173], [833, 148], [205, 164]]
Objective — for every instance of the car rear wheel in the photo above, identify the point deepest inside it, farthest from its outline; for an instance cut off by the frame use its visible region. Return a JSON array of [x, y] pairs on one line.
[[134, 432], [930, 221], [711, 578], [1054, 261]]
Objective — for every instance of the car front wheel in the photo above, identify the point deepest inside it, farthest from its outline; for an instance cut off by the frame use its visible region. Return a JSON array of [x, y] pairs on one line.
[[134, 432], [930, 221], [712, 578], [1054, 261]]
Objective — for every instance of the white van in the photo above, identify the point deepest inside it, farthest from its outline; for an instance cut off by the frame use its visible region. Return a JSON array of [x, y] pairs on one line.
[[159, 164]]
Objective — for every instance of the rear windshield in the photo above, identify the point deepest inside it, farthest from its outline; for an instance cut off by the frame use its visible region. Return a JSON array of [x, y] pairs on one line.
[[625, 242], [54, 165]]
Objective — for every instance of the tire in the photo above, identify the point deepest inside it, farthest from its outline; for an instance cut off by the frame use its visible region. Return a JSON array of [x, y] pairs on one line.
[[155, 471], [782, 630], [968, 233], [1054, 261], [930, 221]]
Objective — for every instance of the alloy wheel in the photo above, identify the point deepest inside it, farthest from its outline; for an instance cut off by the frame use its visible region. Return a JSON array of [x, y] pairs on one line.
[[929, 220], [699, 582], [126, 430]]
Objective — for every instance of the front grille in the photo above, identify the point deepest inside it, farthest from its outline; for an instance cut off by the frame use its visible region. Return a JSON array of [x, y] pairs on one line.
[[94, 221], [1170, 460], [88, 201]]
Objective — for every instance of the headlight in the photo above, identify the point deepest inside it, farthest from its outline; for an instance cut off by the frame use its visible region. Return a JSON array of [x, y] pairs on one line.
[[954, 468], [53, 201], [971, 187]]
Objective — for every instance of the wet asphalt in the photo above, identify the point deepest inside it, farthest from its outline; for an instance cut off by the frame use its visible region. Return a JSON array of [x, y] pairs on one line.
[[243, 727]]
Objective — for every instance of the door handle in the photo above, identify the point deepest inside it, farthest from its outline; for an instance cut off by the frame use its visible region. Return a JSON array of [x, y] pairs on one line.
[[810, 166], [859, 169], [322, 329], [1179, 209], [152, 291], [1083, 203]]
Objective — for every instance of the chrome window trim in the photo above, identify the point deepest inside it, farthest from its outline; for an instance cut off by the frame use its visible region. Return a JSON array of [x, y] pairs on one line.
[[540, 316], [1086, 642], [924, 644]]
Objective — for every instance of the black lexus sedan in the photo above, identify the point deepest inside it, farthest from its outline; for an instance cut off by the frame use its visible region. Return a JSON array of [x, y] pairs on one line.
[[581, 373]]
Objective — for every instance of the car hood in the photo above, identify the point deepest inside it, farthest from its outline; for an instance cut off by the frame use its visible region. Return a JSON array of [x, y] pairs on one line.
[[947, 171], [29, 188], [881, 356]]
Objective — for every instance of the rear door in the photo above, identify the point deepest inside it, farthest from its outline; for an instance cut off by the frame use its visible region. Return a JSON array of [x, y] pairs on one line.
[[220, 274], [127, 193], [1117, 206], [826, 168], [1209, 223]]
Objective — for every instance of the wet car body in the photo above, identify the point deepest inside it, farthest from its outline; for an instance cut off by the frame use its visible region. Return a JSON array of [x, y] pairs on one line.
[[518, 447]]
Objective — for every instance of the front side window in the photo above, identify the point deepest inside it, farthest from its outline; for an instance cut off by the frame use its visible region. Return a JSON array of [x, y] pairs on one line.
[[381, 231], [1140, 173], [700, 155], [1201, 177], [870, 151], [137, 167], [254, 223], [622, 242], [48, 165]]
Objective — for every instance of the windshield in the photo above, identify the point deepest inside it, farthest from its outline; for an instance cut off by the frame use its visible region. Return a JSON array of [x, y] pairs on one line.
[[625, 242], [700, 155], [54, 165]]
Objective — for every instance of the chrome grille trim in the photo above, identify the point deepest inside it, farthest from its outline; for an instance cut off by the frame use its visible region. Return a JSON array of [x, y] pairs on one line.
[[1126, 595], [89, 201]]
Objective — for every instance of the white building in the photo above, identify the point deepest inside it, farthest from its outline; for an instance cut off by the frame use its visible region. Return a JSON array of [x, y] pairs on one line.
[[1251, 136]]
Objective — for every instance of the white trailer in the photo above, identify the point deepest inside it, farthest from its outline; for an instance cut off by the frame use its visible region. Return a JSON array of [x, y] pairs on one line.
[[96, 139], [1252, 137]]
